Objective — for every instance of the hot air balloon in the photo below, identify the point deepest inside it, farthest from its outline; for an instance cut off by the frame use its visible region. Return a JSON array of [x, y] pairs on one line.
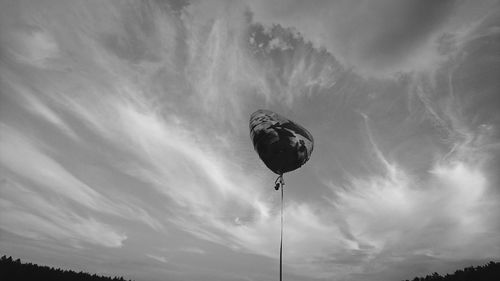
[[283, 146]]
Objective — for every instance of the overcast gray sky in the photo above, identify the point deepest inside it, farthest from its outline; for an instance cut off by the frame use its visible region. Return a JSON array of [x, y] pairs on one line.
[[125, 150]]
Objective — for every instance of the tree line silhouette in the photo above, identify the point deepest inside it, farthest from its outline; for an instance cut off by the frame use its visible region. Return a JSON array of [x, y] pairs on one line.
[[14, 270], [487, 272]]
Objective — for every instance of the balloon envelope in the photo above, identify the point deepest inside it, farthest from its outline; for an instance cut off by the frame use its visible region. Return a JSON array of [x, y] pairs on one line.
[[282, 144]]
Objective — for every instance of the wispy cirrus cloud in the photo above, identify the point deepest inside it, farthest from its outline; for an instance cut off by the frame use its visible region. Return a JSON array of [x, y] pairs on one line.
[[27, 213], [22, 157], [376, 39], [393, 218], [32, 46], [122, 115], [158, 258]]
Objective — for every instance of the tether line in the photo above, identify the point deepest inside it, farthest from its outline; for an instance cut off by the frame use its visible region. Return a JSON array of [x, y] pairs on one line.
[[281, 240], [282, 184]]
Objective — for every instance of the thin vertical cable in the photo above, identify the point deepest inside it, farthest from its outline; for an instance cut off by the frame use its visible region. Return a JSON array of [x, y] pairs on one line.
[[281, 237]]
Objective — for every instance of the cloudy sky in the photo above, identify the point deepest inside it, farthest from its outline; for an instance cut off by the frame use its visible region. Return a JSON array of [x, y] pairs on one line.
[[125, 150]]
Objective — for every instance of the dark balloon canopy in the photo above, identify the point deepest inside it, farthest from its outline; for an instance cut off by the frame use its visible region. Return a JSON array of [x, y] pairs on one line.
[[282, 144]]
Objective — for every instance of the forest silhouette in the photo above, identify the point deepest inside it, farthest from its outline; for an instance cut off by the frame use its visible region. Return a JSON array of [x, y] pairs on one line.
[[11, 270], [15, 270], [487, 272]]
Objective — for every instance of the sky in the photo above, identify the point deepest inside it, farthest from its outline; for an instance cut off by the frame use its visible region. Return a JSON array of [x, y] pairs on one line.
[[125, 149]]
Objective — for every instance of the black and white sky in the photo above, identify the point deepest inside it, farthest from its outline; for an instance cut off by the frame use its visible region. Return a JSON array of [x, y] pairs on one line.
[[125, 150]]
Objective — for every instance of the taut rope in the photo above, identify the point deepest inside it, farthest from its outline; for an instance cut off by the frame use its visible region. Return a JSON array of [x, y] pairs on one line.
[[281, 183]]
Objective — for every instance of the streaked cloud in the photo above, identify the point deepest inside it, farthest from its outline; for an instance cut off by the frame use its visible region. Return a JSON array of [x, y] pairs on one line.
[[20, 156], [25, 212], [33, 46], [124, 135], [194, 250], [443, 218], [378, 38], [158, 258]]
